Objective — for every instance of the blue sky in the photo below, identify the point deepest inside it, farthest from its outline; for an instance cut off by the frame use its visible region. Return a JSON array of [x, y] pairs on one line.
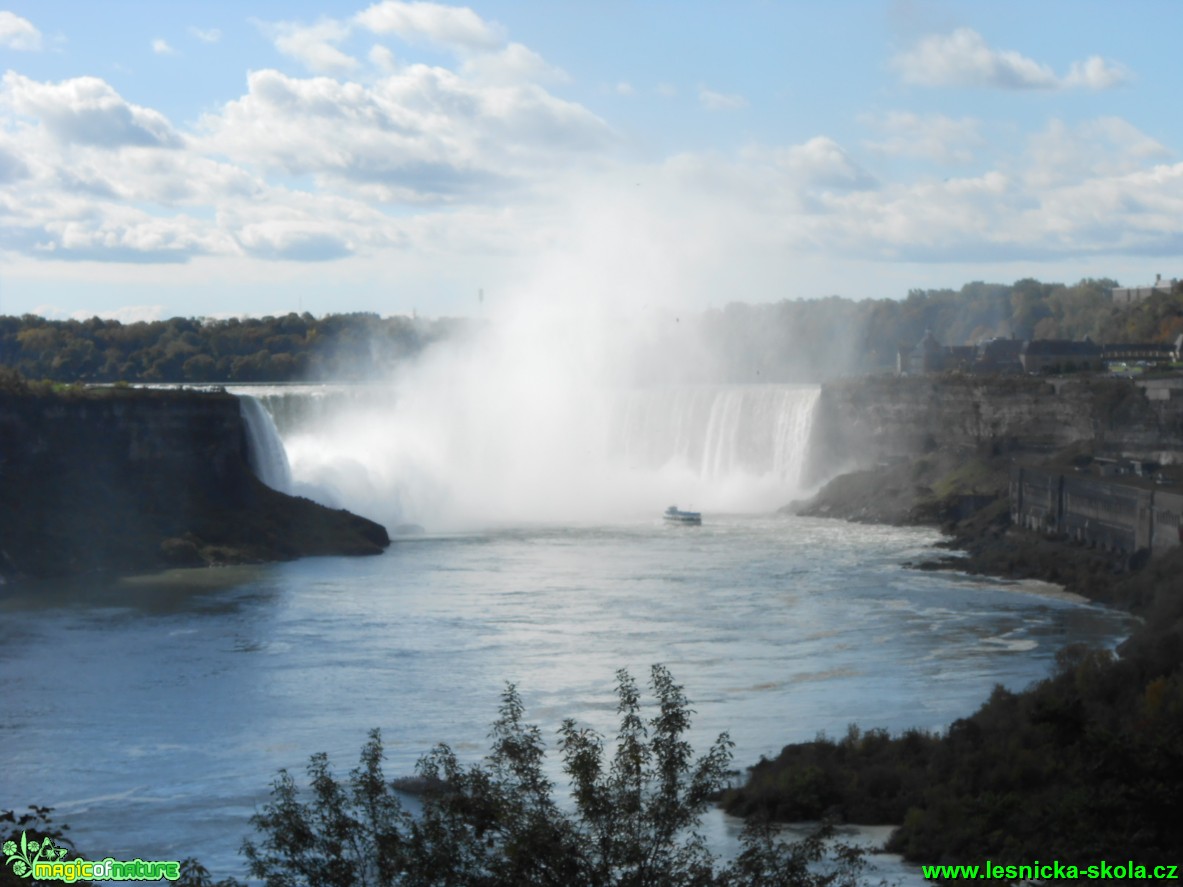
[[210, 159]]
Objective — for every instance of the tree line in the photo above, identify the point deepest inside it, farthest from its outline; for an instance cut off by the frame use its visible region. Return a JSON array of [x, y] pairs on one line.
[[294, 347], [825, 338], [786, 341]]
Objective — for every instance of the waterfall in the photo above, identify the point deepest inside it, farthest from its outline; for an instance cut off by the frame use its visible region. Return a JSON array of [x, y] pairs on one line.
[[443, 456], [719, 432], [265, 451]]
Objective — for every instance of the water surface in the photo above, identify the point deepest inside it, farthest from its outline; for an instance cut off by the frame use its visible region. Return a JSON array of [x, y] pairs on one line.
[[154, 713]]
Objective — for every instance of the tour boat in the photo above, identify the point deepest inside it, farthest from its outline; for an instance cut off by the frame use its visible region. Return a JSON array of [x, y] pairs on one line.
[[674, 516]]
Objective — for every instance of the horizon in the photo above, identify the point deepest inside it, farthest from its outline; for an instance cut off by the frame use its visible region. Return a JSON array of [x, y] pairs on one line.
[[210, 160]]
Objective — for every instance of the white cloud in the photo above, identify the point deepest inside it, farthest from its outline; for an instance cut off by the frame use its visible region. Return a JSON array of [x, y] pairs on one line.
[[1096, 73], [383, 59], [453, 164], [160, 47], [86, 111], [422, 134], [1107, 146], [814, 201], [963, 58], [513, 64], [822, 161], [624, 88], [18, 33], [449, 26], [935, 137], [314, 46], [124, 234], [205, 35], [306, 241], [12, 167], [718, 101]]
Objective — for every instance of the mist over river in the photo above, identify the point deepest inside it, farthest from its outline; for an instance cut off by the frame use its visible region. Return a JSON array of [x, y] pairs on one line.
[[153, 713]]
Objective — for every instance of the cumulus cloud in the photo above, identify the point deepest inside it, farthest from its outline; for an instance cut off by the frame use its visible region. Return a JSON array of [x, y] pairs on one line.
[[452, 27], [383, 59], [1096, 73], [480, 157], [1107, 146], [12, 167], [314, 46], [718, 101], [122, 234], [87, 111], [301, 241], [963, 58], [814, 200], [160, 47], [422, 134], [935, 137], [18, 33], [513, 64], [823, 162]]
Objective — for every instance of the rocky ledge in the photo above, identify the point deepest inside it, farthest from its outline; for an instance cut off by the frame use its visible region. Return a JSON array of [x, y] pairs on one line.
[[129, 479]]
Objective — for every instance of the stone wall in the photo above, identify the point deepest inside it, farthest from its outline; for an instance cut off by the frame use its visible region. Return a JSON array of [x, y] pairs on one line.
[[859, 423], [1113, 516]]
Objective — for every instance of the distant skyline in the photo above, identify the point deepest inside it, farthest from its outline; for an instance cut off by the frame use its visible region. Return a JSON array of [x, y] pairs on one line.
[[217, 159]]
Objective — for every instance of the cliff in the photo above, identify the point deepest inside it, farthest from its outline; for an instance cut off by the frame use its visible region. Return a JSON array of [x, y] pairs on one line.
[[127, 479], [863, 422]]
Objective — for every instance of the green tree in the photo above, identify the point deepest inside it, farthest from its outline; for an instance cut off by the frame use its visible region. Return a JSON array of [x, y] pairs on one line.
[[631, 821]]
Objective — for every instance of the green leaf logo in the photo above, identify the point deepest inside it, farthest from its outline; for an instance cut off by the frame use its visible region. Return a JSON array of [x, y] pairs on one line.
[[22, 857]]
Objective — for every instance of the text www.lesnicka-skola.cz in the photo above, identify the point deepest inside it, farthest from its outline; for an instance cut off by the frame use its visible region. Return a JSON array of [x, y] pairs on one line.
[[1050, 871]]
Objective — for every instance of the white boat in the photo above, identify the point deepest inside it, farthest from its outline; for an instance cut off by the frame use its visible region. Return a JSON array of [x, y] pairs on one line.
[[674, 516]]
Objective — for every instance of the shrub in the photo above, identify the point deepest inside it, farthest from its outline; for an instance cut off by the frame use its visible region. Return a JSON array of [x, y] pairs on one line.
[[631, 822]]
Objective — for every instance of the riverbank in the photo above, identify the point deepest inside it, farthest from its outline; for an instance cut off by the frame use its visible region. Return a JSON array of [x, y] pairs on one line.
[[1083, 765]]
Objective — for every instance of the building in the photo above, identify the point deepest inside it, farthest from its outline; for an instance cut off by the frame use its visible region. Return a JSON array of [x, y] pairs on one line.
[[926, 357], [999, 356], [1148, 352], [1128, 295], [1060, 355]]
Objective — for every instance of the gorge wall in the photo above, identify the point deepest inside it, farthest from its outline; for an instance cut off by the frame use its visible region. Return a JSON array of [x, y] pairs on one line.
[[135, 479], [867, 421]]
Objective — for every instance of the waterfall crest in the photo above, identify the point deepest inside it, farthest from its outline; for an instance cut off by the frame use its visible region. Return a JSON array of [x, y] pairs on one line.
[[265, 450], [439, 458], [721, 431]]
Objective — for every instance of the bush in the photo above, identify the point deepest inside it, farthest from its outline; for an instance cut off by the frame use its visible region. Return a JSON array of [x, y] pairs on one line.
[[632, 820]]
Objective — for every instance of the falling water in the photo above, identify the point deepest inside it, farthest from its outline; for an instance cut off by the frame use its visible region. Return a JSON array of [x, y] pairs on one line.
[[437, 458], [265, 451], [719, 432]]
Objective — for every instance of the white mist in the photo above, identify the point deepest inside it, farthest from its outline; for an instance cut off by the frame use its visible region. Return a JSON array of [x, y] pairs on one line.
[[541, 415]]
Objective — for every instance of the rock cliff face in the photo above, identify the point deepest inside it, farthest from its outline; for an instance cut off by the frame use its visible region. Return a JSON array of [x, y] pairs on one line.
[[134, 479], [866, 421]]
